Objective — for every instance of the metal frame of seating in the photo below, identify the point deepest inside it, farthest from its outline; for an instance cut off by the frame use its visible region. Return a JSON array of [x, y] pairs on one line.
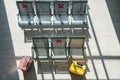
[[53, 17], [50, 46]]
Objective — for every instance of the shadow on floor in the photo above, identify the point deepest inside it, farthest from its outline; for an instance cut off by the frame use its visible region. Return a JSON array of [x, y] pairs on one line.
[[76, 77], [114, 10], [31, 75], [8, 67], [49, 68], [28, 34], [99, 50]]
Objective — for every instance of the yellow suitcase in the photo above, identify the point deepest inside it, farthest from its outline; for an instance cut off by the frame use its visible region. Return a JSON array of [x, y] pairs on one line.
[[77, 69]]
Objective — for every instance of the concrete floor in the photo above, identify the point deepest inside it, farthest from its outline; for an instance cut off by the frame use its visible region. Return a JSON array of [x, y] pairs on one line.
[[103, 44]]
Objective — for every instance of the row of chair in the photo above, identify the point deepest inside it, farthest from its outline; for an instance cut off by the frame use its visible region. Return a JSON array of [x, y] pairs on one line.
[[52, 13], [58, 48]]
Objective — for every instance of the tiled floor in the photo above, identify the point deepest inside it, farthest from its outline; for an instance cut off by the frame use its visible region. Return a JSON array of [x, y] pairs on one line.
[[103, 45]]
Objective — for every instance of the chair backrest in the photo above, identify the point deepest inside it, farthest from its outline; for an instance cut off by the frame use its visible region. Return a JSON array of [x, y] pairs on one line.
[[40, 43], [61, 7], [76, 43], [24, 17], [43, 8], [25, 7], [41, 46], [59, 47], [59, 43], [79, 7], [77, 48]]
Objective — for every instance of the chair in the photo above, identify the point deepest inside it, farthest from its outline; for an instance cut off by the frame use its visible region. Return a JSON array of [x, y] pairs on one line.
[[41, 48], [59, 51], [59, 54], [76, 48], [43, 11], [26, 13], [78, 13], [61, 13]]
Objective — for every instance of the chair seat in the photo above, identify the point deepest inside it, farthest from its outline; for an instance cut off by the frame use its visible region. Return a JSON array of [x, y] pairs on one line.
[[78, 19], [31, 17], [77, 56], [39, 57], [59, 57], [45, 19], [23, 20], [40, 54], [61, 19], [26, 20]]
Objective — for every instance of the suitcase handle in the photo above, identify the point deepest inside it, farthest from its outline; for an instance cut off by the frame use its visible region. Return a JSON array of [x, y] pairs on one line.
[[76, 64]]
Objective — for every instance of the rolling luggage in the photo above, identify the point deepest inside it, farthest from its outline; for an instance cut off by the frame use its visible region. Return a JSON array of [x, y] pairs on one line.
[[78, 69], [25, 63]]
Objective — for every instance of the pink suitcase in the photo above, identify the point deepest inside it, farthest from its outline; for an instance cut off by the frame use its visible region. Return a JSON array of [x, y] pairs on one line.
[[25, 63]]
